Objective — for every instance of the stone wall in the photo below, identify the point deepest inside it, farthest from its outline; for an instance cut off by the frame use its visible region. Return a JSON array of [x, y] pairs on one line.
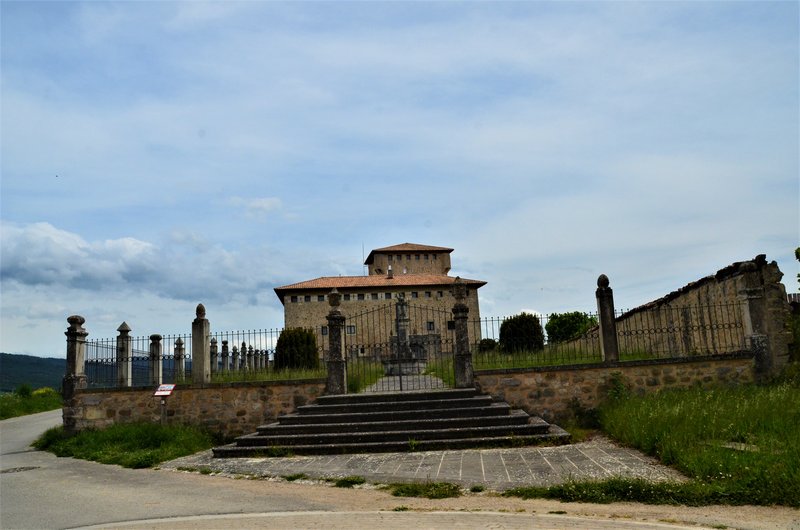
[[231, 409], [553, 392]]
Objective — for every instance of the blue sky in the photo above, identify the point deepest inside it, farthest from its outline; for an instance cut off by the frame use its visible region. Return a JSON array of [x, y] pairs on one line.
[[160, 154]]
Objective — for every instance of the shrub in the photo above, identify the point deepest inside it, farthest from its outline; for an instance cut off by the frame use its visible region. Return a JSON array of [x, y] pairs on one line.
[[521, 332], [562, 327], [24, 391], [296, 348], [487, 345]]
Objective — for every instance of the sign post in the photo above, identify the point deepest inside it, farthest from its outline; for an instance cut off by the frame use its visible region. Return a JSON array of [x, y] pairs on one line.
[[164, 391]]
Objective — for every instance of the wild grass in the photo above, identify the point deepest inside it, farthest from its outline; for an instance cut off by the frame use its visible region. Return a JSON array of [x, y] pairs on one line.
[[133, 445], [25, 401], [551, 355], [430, 490], [362, 373]]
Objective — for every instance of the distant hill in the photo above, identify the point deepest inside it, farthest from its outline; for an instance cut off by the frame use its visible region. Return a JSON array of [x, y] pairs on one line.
[[16, 370]]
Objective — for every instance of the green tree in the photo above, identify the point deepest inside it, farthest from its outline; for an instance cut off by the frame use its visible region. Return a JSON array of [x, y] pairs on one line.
[[562, 327], [296, 348], [521, 332]]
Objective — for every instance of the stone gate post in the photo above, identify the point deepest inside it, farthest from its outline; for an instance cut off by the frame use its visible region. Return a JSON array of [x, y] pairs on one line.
[[201, 347], [754, 316], [180, 361], [464, 373], [124, 352], [608, 325], [75, 378], [335, 361], [214, 355], [226, 366], [156, 360]]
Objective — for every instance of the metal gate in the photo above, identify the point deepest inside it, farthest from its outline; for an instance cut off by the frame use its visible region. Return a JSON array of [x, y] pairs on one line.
[[398, 347]]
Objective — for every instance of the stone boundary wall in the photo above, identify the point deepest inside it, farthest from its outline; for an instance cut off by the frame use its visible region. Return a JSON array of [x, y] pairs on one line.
[[232, 409], [554, 392]]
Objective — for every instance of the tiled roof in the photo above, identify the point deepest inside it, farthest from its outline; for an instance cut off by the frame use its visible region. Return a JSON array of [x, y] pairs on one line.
[[375, 281], [407, 247]]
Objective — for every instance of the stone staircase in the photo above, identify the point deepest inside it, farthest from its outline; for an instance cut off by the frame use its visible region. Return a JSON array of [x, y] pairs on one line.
[[397, 422]]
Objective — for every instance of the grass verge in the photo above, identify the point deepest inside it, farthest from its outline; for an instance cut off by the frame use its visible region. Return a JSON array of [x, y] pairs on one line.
[[430, 490], [133, 445], [25, 401]]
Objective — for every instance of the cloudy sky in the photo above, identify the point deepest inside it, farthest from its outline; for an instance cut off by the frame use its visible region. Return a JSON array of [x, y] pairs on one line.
[[157, 155]]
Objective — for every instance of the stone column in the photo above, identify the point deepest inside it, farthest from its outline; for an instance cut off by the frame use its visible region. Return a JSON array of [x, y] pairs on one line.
[[462, 362], [250, 358], [609, 346], [74, 378], [754, 316], [335, 361], [235, 362], [124, 352], [214, 355], [225, 357], [201, 347], [180, 361], [156, 360]]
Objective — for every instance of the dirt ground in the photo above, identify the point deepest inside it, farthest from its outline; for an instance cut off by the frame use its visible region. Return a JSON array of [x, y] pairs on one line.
[[370, 498]]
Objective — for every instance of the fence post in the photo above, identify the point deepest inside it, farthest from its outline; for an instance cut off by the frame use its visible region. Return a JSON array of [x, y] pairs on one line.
[[335, 361], [755, 310], [213, 349], [180, 364], [464, 373], [225, 355], [201, 362], [74, 378], [124, 347], [235, 363], [608, 325], [250, 366], [156, 360]]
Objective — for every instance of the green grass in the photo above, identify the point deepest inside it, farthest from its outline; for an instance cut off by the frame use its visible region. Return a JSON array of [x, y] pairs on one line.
[[349, 482], [361, 374], [134, 445], [430, 490], [551, 355], [270, 375], [25, 401]]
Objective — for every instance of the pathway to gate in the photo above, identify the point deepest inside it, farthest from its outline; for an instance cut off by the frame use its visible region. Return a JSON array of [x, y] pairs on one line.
[[405, 383]]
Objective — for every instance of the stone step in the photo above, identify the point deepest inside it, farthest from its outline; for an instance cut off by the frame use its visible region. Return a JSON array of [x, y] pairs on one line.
[[516, 417], [394, 397], [554, 435], [390, 415], [378, 406]]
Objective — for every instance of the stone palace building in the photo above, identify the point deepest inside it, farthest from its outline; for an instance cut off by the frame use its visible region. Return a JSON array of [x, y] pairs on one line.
[[417, 273]]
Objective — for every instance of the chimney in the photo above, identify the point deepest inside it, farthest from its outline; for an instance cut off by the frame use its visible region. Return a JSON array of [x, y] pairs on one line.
[[390, 274]]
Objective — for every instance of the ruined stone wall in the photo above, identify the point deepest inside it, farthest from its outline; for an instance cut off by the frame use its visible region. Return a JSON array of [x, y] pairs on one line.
[[553, 392], [231, 409]]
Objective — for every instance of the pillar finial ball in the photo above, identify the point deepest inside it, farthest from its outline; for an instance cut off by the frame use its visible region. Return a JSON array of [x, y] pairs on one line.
[[200, 311], [602, 281]]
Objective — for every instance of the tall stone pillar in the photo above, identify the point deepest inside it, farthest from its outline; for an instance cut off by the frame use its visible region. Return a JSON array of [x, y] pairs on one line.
[[608, 325], [75, 378], [755, 316], [156, 360], [335, 361], [462, 363], [214, 355], [201, 347], [226, 365], [124, 352]]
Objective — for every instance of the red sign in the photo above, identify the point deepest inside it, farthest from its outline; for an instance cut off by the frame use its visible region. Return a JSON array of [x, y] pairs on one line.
[[164, 390]]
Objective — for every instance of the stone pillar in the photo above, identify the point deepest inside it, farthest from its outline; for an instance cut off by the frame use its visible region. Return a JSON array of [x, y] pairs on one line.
[[201, 347], [335, 361], [225, 357], [235, 359], [124, 352], [74, 378], [754, 316], [609, 346], [156, 360], [250, 358], [462, 363], [214, 355], [180, 361]]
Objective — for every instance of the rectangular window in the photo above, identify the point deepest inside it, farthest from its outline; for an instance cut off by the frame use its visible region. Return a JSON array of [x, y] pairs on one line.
[[451, 324], [426, 256], [294, 299], [360, 296], [387, 296], [320, 298], [389, 257], [414, 294], [408, 257], [351, 330], [307, 298], [374, 296], [324, 330], [434, 256], [431, 326], [440, 294], [416, 257], [427, 294], [347, 297]]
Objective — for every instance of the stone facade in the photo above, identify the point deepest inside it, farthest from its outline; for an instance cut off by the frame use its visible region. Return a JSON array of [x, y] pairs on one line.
[[232, 409], [418, 273], [554, 392]]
